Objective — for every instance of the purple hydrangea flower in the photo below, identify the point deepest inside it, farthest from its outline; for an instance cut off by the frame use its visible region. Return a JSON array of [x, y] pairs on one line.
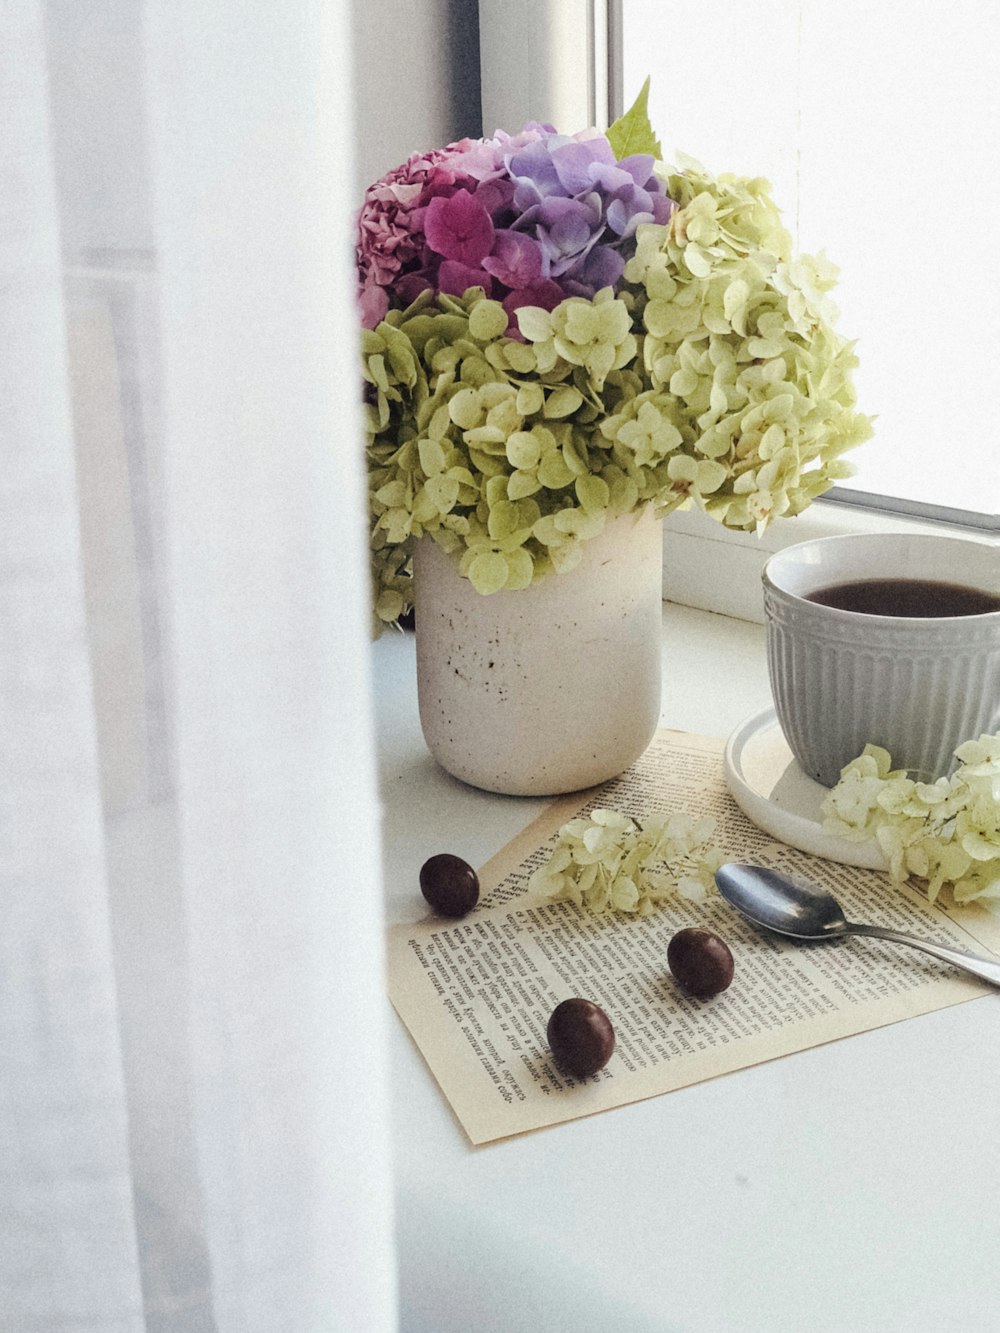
[[531, 218], [583, 206], [516, 260]]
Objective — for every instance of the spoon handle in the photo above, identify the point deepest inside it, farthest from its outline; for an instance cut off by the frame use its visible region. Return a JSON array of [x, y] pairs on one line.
[[980, 967]]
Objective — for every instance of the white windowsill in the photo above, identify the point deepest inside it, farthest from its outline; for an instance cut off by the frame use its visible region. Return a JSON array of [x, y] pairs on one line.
[[453, 1199], [715, 569]]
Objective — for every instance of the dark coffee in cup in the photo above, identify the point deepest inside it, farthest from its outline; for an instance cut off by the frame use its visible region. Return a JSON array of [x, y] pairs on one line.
[[919, 598]]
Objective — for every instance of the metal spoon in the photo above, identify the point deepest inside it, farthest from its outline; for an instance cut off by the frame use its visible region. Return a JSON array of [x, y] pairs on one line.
[[768, 898]]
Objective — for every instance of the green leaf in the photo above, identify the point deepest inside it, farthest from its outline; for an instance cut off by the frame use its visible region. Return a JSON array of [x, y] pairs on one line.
[[632, 132]]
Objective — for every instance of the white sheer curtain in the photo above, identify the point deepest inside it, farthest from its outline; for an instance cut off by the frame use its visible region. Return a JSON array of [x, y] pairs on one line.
[[192, 1094]]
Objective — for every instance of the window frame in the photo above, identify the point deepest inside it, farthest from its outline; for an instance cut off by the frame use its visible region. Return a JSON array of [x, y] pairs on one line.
[[705, 565]]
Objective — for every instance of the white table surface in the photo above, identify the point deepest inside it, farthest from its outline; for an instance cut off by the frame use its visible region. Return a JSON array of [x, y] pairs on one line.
[[851, 1187]]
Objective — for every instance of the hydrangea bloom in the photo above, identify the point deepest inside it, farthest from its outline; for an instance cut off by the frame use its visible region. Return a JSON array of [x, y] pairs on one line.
[[531, 219], [556, 336], [946, 833], [389, 239], [606, 860]]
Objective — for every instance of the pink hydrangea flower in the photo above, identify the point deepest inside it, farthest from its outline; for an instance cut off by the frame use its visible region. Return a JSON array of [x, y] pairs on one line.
[[396, 258], [458, 227], [531, 218], [390, 230]]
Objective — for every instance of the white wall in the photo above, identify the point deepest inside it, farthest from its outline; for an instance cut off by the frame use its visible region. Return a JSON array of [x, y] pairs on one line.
[[554, 85], [404, 83]]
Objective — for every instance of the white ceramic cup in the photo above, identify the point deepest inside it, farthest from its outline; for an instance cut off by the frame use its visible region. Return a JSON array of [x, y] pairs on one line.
[[917, 686]]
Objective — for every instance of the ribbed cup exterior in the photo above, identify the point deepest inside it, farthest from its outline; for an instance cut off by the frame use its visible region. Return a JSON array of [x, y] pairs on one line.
[[918, 687]]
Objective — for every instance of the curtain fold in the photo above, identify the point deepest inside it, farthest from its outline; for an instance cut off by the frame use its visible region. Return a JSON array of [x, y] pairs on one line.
[[194, 1104]]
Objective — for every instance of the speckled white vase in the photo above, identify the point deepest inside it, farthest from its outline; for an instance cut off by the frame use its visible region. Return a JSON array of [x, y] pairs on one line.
[[552, 688]]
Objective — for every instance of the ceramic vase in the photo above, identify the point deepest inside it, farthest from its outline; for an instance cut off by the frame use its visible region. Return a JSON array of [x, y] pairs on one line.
[[552, 688]]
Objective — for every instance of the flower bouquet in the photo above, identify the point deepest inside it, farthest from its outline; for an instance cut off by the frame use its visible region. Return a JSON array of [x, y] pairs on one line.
[[562, 329]]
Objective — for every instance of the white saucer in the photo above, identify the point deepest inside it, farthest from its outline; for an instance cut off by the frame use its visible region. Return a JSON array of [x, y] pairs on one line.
[[772, 790]]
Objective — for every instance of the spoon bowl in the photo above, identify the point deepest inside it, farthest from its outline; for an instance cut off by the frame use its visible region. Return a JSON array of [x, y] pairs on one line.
[[806, 912], [790, 907]]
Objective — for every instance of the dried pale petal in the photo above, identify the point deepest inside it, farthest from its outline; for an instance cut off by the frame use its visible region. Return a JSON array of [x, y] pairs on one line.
[[566, 557], [503, 416], [692, 888], [530, 399], [684, 383], [546, 532], [985, 748], [946, 833], [553, 472], [389, 605], [577, 523], [563, 402], [522, 358], [918, 860], [697, 260], [520, 569], [607, 860], [623, 495], [523, 449], [592, 493], [595, 838], [613, 819], [442, 491], [424, 509], [432, 457], [977, 888], [484, 436], [496, 490], [488, 572], [659, 318], [464, 409], [504, 519], [393, 493], [682, 469], [534, 322], [589, 877], [771, 441], [625, 895], [980, 844], [573, 460], [487, 320], [582, 322], [522, 484]]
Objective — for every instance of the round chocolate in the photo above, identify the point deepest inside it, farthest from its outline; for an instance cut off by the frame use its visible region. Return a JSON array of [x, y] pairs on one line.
[[581, 1037], [700, 961], [449, 884]]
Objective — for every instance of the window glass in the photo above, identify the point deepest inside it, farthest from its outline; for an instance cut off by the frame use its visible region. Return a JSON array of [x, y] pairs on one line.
[[879, 130]]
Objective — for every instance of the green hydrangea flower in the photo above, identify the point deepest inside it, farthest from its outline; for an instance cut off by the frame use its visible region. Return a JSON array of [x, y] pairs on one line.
[[946, 833], [711, 375]]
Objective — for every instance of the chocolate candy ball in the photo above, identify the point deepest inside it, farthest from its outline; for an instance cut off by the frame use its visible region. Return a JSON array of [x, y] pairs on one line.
[[700, 961], [449, 884], [581, 1037]]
